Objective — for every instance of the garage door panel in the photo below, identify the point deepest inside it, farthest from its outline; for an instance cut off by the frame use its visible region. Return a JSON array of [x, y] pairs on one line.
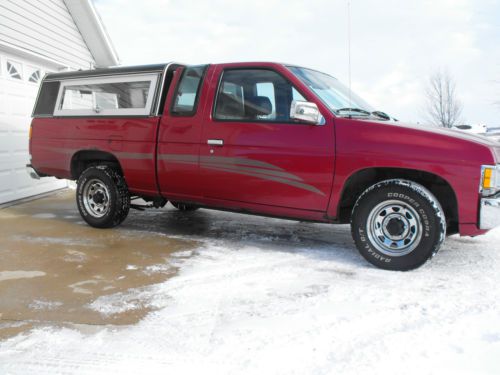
[[17, 107], [17, 98], [19, 142]]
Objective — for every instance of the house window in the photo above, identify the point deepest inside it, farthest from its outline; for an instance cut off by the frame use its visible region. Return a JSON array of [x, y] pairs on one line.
[[33, 74], [14, 70], [35, 77]]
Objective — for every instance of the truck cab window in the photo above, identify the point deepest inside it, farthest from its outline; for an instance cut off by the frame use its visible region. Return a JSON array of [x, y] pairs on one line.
[[254, 95], [187, 93]]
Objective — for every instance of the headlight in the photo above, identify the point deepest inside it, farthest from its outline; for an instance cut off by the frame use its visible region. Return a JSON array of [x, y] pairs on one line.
[[490, 179]]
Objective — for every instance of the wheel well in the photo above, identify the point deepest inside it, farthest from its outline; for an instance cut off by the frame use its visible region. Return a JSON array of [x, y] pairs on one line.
[[361, 180], [86, 158]]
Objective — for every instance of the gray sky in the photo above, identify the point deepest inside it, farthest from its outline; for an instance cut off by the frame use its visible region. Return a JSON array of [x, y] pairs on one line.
[[395, 44]]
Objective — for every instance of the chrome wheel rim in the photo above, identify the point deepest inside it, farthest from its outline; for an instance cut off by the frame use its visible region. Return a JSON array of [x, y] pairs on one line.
[[96, 198], [394, 228]]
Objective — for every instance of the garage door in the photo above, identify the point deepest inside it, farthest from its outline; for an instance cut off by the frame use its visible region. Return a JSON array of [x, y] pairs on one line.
[[19, 79]]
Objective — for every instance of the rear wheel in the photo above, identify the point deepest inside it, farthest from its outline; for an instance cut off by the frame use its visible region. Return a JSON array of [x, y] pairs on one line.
[[184, 206], [102, 197], [398, 225]]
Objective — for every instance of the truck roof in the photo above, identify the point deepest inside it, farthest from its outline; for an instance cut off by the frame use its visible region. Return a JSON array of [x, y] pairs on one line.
[[153, 68]]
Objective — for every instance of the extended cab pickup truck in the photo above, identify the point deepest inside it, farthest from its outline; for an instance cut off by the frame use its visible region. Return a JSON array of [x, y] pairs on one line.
[[263, 138]]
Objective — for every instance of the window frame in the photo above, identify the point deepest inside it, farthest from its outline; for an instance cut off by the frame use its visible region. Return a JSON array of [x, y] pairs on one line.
[[198, 92], [117, 112], [264, 121]]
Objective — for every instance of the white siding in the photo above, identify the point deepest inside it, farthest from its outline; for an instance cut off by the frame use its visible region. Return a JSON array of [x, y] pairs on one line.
[[46, 28]]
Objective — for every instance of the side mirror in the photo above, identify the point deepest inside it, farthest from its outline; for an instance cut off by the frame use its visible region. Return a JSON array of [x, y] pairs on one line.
[[306, 112]]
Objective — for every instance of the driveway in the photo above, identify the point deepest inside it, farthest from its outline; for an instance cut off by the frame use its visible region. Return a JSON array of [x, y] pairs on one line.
[[214, 292]]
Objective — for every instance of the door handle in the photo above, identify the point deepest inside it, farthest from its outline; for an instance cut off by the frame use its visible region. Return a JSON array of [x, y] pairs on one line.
[[215, 142]]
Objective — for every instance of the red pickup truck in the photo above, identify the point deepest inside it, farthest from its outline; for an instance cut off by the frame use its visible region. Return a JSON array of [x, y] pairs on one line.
[[262, 138]]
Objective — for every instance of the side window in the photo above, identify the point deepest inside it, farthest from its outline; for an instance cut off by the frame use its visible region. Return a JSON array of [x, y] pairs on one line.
[[47, 99], [297, 96], [188, 91], [131, 95], [266, 90], [254, 95]]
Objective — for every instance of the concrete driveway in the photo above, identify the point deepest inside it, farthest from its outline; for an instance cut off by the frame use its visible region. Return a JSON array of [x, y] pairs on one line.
[[213, 292], [53, 265]]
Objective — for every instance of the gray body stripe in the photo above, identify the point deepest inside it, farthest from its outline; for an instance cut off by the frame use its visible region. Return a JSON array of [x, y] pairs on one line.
[[253, 169], [59, 150], [247, 167], [239, 161], [296, 184], [124, 155], [218, 160], [133, 155], [179, 158]]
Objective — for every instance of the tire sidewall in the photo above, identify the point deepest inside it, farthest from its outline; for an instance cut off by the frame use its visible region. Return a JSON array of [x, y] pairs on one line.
[[430, 223]]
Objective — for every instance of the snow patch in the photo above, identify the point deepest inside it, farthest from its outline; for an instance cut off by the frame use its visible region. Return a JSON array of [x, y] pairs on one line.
[[15, 275], [74, 256], [243, 306], [44, 305]]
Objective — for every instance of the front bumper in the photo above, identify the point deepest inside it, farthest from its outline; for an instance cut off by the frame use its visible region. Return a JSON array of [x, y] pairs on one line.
[[31, 171], [489, 216]]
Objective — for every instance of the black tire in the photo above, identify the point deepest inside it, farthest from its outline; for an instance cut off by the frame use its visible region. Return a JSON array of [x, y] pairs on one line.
[[102, 197], [398, 225], [184, 206]]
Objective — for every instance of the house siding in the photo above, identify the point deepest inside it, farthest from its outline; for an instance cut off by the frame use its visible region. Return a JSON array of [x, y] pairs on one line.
[[44, 27]]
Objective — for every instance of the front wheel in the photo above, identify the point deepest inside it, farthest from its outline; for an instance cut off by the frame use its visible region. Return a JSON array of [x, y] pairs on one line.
[[102, 197], [398, 225]]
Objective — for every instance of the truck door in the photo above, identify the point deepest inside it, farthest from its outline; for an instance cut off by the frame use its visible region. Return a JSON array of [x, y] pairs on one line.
[[179, 135], [251, 151]]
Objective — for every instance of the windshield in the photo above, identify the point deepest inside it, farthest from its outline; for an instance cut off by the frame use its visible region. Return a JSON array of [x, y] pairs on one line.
[[333, 93]]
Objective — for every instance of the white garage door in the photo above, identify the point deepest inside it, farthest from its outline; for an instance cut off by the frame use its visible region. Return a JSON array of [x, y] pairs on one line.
[[19, 79]]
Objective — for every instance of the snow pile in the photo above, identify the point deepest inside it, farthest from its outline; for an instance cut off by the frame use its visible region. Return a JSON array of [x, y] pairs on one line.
[[306, 305]]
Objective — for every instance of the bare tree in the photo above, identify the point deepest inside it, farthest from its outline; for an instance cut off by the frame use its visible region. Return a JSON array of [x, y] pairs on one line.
[[443, 107]]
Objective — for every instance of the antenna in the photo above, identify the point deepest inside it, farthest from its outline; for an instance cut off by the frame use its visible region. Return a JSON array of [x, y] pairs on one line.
[[349, 47]]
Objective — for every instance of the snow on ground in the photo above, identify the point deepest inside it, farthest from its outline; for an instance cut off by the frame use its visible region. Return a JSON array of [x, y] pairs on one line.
[[266, 296]]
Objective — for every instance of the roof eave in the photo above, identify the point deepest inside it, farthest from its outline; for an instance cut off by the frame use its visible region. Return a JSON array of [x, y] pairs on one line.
[[93, 32]]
